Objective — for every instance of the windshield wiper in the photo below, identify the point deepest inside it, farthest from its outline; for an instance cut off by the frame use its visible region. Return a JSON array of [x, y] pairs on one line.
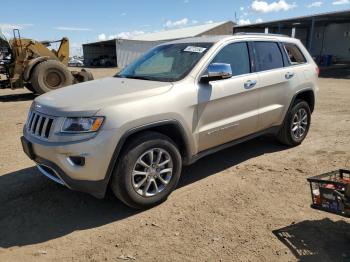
[[150, 78], [136, 77]]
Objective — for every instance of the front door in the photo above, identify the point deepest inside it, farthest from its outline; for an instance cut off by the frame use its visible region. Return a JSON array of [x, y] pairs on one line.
[[228, 108]]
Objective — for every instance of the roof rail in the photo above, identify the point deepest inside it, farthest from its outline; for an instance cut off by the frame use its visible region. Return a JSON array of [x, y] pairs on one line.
[[245, 33]]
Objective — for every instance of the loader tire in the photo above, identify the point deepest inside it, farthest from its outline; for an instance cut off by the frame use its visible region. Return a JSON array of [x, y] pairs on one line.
[[82, 76], [29, 87], [50, 75]]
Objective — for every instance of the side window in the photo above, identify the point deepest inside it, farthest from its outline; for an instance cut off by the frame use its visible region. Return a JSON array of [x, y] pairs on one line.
[[237, 55], [268, 55], [295, 56]]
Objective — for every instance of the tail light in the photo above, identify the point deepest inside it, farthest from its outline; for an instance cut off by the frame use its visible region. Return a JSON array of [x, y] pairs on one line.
[[317, 71]]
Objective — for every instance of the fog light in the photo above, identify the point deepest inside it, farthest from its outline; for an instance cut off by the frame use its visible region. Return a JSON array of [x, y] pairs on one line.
[[77, 160]]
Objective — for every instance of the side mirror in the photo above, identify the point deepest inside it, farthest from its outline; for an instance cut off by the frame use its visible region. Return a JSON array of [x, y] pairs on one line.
[[217, 71]]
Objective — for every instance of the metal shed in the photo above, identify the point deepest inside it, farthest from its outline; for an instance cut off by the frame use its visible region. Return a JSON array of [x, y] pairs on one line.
[[93, 51], [323, 34], [127, 50]]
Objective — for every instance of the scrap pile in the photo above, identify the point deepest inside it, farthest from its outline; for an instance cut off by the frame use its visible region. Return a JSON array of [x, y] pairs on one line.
[[331, 192]]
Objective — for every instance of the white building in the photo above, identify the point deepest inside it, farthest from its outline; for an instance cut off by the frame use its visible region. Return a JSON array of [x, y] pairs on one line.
[[123, 51]]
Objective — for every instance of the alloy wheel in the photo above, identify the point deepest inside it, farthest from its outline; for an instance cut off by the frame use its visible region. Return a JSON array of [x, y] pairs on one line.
[[152, 172], [299, 123]]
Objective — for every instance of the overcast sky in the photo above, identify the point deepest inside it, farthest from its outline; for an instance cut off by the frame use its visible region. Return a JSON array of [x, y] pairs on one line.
[[88, 21]]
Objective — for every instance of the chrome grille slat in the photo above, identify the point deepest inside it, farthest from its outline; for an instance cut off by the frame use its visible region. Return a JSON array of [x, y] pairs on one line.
[[39, 125], [35, 121], [44, 127]]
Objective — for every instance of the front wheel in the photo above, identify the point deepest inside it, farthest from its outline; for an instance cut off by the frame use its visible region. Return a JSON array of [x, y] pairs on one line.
[[296, 124], [148, 171]]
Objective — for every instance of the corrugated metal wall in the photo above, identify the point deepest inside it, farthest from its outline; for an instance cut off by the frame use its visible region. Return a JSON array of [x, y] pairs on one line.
[[334, 39], [129, 50], [301, 33]]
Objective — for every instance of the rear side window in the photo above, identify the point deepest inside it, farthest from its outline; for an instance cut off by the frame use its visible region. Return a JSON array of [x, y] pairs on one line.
[[237, 56], [294, 54], [268, 56]]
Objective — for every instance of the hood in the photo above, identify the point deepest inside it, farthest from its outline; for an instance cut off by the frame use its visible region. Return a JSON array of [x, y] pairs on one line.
[[93, 95]]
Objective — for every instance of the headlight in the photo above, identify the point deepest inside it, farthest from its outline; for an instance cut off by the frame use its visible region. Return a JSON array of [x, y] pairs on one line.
[[81, 124]]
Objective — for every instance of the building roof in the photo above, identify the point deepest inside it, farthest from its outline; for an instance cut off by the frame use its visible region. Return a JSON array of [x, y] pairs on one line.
[[190, 31], [321, 17], [166, 35], [110, 42]]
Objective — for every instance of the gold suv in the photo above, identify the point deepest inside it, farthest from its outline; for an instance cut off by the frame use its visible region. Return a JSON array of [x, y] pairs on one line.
[[180, 101]]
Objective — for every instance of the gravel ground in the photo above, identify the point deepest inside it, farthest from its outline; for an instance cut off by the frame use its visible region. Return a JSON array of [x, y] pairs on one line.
[[250, 202]]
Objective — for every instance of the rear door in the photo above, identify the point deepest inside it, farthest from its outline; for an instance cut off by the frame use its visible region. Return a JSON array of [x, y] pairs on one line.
[[228, 108], [276, 81]]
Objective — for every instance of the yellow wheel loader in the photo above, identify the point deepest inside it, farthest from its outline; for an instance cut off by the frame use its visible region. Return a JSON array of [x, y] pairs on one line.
[[31, 64]]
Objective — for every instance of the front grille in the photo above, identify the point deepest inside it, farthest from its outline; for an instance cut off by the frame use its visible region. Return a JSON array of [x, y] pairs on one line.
[[39, 125]]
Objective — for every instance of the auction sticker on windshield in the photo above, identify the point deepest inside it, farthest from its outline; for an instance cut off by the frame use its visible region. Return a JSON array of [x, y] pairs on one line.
[[195, 49]]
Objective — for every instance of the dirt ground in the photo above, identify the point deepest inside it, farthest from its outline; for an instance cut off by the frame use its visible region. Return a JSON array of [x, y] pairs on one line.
[[247, 203]]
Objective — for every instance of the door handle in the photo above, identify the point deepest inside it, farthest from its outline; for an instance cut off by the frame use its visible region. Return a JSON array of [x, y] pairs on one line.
[[289, 75], [250, 84]]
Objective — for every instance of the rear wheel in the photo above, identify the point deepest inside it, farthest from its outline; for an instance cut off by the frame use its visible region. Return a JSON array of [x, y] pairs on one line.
[[50, 75], [148, 171], [296, 124]]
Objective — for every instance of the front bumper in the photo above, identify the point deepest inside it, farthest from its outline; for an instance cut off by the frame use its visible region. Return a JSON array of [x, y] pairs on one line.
[[52, 171], [53, 160]]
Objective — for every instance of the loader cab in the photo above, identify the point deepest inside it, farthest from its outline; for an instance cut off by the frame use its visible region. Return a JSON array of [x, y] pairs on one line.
[[5, 51], [6, 59]]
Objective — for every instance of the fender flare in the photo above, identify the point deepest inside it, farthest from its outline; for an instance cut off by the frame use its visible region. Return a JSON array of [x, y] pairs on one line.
[[299, 93], [32, 63], [134, 130], [293, 100]]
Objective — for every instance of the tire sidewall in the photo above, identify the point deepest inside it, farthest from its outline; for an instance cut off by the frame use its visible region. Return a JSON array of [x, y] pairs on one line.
[[296, 107], [30, 87], [41, 70], [124, 173]]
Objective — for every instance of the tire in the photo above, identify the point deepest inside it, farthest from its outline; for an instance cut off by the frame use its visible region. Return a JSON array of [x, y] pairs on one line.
[[50, 75], [29, 87], [288, 134], [124, 183]]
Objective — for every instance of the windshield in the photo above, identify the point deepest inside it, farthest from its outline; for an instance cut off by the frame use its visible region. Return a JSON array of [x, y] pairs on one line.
[[166, 63]]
